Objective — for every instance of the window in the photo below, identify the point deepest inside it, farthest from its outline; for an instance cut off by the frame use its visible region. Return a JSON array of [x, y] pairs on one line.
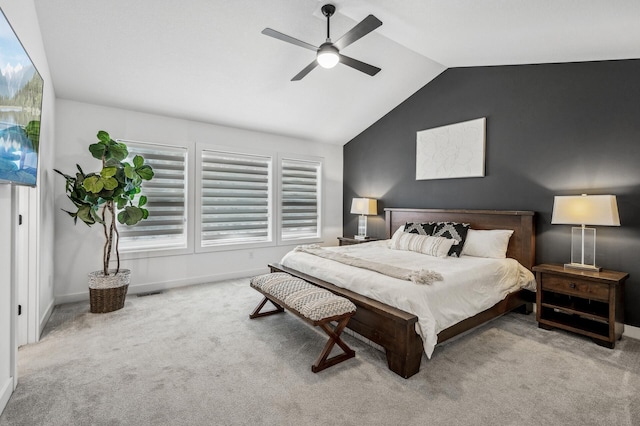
[[166, 226], [300, 199], [238, 200], [235, 198]]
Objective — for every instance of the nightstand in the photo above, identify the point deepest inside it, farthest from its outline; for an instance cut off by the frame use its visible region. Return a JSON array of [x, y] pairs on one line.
[[584, 302], [345, 241]]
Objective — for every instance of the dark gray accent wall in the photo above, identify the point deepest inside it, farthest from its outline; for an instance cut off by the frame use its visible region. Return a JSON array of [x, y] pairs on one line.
[[552, 129]]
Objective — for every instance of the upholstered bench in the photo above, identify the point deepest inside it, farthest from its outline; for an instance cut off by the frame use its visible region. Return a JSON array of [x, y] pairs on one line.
[[317, 306]]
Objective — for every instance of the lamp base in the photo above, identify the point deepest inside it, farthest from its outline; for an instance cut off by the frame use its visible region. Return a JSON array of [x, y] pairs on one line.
[[583, 266], [362, 228]]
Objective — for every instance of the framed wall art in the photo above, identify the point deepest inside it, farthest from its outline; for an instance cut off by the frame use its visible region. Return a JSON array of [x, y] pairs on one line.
[[452, 151]]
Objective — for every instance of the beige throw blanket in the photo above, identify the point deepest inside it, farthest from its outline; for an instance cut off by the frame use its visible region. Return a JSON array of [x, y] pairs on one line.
[[423, 276]]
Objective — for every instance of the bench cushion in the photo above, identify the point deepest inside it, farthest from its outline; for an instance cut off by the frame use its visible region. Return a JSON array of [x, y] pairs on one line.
[[279, 284], [312, 302]]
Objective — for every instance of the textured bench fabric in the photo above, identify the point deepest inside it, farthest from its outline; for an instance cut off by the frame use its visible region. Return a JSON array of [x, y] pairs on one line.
[[310, 301], [315, 305]]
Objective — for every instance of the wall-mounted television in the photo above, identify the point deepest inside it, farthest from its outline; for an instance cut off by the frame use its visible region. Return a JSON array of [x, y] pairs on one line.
[[20, 110]]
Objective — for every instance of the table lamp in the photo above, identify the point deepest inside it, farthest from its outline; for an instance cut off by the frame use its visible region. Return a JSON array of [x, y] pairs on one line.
[[584, 210], [363, 207]]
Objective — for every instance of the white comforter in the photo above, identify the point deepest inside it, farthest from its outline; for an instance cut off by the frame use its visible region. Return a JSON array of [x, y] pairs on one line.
[[470, 285]]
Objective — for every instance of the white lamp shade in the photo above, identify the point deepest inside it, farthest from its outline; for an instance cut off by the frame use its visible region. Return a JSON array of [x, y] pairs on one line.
[[364, 206], [585, 210]]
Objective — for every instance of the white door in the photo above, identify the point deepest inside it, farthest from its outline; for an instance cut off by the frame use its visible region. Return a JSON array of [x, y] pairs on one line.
[[26, 249], [8, 295]]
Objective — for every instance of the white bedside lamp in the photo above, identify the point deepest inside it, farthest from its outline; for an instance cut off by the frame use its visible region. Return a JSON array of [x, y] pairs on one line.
[[584, 210], [363, 207]]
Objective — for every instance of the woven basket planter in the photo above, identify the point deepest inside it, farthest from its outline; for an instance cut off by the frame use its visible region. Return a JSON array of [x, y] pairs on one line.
[[107, 294]]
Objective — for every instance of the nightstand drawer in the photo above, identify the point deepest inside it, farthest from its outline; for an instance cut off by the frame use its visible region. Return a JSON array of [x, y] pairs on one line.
[[576, 287]]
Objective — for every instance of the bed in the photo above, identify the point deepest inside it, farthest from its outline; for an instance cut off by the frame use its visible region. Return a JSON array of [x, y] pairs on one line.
[[398, 330]]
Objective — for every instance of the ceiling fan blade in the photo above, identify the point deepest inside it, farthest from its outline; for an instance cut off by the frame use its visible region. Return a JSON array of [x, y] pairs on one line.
[[365, 26], [305, 71], [360, 66], [288, 39]]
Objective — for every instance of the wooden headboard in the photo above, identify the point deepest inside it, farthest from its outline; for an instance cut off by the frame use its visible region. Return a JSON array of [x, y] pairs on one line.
[[521, 245]]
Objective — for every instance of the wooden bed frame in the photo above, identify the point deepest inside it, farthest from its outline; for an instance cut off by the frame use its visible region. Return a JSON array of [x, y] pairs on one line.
[[394, 329]]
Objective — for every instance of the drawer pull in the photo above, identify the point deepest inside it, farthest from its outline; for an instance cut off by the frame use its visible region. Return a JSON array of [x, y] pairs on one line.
[[572, 285]]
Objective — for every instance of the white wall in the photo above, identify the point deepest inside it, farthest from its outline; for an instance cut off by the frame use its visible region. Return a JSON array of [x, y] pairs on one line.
[[78, 248], [23, 18]]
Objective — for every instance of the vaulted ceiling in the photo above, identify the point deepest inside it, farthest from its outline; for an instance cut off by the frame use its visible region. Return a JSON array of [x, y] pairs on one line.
[[207, 60]]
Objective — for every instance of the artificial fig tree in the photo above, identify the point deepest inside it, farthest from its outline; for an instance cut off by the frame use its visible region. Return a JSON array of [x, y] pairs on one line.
[[97, 196]]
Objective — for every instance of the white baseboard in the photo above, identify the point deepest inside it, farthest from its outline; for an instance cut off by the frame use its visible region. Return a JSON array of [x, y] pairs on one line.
[[45, 318], [5, 393], [165, 285], [631, 332]]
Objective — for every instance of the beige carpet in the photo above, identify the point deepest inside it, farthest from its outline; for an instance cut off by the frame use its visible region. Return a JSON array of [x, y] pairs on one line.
[[191, 356]]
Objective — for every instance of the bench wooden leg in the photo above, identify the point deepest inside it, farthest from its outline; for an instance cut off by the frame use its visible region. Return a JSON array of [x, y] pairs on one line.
[[256, 312], [334, 337]]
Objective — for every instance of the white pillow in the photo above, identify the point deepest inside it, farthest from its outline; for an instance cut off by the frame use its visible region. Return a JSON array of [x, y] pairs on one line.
[[425, 244], [487, 243], [398, 231]]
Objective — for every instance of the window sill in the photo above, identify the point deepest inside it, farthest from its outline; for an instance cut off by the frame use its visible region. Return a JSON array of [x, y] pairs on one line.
[[149, 252]]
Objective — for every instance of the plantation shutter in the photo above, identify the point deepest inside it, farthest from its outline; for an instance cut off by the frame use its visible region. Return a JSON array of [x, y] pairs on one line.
[[235, 198], [300, 199], [166, 194]]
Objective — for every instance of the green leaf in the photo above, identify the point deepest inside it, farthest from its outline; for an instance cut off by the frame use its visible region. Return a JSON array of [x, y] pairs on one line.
[[145, 172], [142, 201], [110, 183], [93, 184], [121, 202], [130, 215], [67, 177], [138, 161], [117, 192], [145, 213], [111, 162], [108, 172], [135, 213], [96, 216], [97, 150], [104, 136], [129, 170], [84, 214], [118, 151]]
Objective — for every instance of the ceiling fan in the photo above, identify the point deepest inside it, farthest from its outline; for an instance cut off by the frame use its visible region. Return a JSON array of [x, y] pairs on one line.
[[328, 54]]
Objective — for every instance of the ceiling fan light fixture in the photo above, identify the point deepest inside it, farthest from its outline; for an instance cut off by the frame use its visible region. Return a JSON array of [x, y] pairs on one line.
[[327, 56]]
